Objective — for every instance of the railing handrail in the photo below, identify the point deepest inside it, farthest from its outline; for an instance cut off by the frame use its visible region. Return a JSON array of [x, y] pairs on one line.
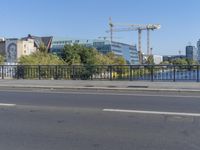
[[108, 72], [144, 65]]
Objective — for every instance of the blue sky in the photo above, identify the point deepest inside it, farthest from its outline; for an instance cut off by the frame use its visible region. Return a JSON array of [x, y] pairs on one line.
[[89, 19]]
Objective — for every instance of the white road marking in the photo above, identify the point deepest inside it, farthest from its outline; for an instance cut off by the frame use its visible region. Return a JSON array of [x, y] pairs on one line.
[[8, 105], [153, 112]]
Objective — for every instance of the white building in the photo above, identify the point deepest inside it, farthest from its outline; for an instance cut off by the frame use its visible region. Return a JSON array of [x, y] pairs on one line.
[[2, 39], [157, 59]]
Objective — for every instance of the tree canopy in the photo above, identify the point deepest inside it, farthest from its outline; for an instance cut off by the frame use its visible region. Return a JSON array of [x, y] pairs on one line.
[[72, 55], [2, 59], [150, 60], [42, 48], [180, 61], [40, 58], [79, 54]]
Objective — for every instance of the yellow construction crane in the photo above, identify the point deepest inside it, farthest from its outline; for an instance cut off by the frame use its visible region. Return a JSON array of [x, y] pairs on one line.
[[134, 27]]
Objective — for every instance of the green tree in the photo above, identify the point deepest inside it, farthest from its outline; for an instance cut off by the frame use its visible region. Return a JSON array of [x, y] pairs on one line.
[[42, 48], [115, 60], [150, 60], [165, 63], [70, 54], [179, 62], [40, 58], [120, 60], [87, 54], [48, 66], [79, 54], [2, 59], [191, 62], [102, 59]]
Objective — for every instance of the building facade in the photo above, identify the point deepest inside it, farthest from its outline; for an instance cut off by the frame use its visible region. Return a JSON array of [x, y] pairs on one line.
[[11, 51], [198, 51], [2, 46], [128, 52], [157, 59], [16, 48], [173, 57], [25, 47], [191, 53], [46, 41]]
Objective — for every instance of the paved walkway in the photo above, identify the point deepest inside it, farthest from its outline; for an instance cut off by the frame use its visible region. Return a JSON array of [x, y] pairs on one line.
[[113, 85]]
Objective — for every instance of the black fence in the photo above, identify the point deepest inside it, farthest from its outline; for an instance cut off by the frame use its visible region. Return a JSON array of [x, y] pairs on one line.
[[102, 72]]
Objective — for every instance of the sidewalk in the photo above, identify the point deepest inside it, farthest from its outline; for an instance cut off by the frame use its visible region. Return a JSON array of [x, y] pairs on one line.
[[103, 85]]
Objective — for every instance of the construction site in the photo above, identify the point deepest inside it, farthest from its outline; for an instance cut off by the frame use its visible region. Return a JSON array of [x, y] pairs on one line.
[[139, 28]]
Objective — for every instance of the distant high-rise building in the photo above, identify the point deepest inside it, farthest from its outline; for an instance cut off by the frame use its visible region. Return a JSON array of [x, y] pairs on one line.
[[191, 53], [198, 51]]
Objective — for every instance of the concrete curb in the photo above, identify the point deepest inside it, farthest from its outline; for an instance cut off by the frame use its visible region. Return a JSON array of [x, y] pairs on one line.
[[98, 88]]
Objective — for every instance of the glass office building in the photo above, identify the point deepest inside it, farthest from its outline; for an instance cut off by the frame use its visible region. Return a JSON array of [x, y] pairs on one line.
[[129, 52], [191, 53]]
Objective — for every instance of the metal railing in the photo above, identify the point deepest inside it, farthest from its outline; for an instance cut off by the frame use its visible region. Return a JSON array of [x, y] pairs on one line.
[[102, 72]]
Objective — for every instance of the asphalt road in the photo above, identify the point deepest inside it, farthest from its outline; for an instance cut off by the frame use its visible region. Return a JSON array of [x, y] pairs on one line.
[[66, 120]]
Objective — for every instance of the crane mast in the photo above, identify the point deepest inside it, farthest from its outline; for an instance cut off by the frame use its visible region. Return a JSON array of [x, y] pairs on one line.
[[148, 42], [111, 29]]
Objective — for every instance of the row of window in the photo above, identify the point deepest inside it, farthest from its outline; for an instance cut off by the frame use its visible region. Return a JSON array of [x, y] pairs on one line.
[[118, 51], [118, 46], [95, 44], [62, 42]]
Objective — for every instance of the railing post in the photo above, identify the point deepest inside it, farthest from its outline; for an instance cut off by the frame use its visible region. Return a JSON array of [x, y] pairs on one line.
[[39, 72], [152, 72], [93, 72], [174, 77], [111, 72], [56, 72], [23, 71], [2, 72], [131, 73], [197, 73], [73, 72], [18, 72]]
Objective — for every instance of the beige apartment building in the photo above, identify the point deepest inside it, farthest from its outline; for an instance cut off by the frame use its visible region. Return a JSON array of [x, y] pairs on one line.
[[25, 47]]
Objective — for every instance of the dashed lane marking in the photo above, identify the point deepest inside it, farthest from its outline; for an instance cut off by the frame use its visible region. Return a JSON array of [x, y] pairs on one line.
[[153, 112]]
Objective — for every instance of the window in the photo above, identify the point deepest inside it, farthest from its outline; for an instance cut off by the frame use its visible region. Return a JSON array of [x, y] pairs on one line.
[[99, 44]]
